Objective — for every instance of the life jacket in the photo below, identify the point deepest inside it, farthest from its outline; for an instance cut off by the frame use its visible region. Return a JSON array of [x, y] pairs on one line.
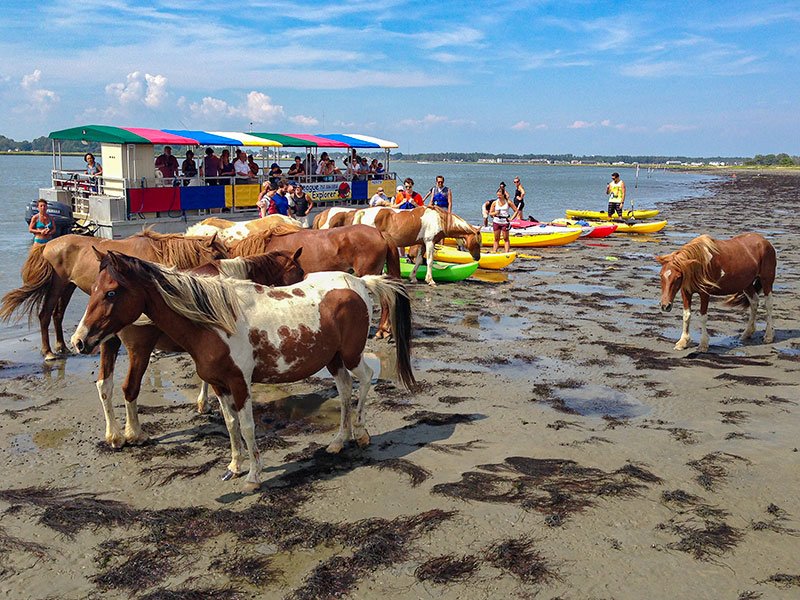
[[440, 198]]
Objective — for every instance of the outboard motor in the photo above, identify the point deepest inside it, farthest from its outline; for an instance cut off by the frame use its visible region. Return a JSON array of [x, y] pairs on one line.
[[58, 211]]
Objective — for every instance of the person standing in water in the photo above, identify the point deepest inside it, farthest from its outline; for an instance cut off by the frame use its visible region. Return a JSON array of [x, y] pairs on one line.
[[41, 225], [519, 197], [440, 195], [500, 211], [616, 195]]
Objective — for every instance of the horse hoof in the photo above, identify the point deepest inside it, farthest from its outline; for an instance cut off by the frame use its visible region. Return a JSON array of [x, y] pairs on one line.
[[702, 348], [363, 440], [116, 441], [335, 447], [768, 339], [51, 357], [250, 487], [228, 475], [136, 440], [432, 283]]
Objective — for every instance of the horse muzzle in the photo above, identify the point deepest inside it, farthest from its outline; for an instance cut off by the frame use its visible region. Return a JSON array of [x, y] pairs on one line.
[[666, 307]]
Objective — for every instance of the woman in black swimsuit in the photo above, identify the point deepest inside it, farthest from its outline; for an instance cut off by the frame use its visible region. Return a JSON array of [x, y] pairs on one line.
[[519, 196]]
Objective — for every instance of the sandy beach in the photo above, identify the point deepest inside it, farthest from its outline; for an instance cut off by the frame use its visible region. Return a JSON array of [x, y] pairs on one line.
[[558, 448]]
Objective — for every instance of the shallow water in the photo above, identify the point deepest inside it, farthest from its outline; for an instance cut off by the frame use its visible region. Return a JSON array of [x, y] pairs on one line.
[[599, 401]]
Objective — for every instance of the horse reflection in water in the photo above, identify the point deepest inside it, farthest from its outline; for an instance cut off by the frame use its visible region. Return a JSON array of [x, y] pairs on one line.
[[740, 267], [239, 332]]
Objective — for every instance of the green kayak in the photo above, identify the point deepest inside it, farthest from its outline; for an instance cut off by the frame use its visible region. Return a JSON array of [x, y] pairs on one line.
[[441, 271]]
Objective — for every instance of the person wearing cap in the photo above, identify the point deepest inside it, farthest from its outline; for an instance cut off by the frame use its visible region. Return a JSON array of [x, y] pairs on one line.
[[380, 199], [275, 173], [616, 195]]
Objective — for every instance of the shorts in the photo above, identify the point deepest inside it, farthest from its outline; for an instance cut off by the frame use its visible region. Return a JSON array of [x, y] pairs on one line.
[[501, 226], [614, 207]]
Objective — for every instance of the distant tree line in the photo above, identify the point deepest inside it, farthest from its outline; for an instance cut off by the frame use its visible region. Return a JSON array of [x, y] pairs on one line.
[[773, 160], [44, 144], [598, 158]]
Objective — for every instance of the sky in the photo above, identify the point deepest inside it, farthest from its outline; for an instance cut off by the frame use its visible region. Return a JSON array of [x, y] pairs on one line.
[[551, 77]]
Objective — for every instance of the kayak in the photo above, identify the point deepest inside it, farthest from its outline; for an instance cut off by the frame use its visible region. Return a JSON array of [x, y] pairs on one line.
[[599, 229], [638, 227], [538, 229], [597, 215], [488, 261], [534, 240], [441, 271]]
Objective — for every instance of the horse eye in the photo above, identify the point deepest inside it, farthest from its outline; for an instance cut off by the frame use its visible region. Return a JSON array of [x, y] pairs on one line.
[[111, 294]]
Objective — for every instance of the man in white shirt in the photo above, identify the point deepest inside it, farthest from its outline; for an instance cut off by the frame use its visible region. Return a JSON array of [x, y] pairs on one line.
[[242, 168]]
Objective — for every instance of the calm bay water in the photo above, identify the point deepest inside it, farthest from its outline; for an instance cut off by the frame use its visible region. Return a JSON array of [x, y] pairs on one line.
[[549, 191]]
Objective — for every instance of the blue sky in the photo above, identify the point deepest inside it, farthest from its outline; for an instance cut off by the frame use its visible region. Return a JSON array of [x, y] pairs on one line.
[[675, 78]]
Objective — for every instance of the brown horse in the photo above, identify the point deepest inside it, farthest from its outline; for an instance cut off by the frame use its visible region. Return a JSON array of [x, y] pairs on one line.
[[53, 270], [356, 249], [141, 338], [238, 333], [426, 225], [742, 266]]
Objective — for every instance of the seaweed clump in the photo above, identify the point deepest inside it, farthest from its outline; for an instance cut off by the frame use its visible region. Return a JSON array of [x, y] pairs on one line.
[[712, 468], [415, 472], [518, 557], [555, 487], [217, 593], [447, 569]]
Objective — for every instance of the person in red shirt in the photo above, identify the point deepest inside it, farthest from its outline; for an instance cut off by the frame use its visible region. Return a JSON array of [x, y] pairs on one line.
[[408, 198]]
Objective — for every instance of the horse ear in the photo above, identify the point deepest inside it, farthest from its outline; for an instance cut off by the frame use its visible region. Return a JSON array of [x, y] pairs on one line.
[[297, 254], [477, 230], [100, 255], [213, 240]]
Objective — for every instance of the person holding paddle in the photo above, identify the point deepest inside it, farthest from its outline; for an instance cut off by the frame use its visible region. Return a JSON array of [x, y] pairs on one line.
[[616, 195]]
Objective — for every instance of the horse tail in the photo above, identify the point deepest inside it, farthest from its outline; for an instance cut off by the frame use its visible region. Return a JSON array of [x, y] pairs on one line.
[[394, 294], [320, 219], [37, 274], [740, 298], [392, 258]]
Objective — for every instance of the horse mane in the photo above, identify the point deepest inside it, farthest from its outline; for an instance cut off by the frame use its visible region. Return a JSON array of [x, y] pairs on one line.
[[182, 251], [258, 242], [452, 224], [216, 222], [208, 301], [694, 262], [235, 268]]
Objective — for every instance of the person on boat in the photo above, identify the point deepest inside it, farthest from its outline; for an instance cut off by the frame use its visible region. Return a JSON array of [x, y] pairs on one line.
[[519, 197], [251, 162], [310, 165], [373, 166], [188, 167], [41, 225], [379, 171], [275, 173], [242, 168], [380, 198], [167, 164], [300, 205], [502, 211], [226, 168], [93, 169], [363, 170], [297, 169], [440, 195], [210, 168], [616, 195]]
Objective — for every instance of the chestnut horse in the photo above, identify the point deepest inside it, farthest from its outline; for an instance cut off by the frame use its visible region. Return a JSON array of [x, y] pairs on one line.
[[142, 337], [52, 271], [356, 249], [231, 232], [742, 266], [426, 225], [238, 333]]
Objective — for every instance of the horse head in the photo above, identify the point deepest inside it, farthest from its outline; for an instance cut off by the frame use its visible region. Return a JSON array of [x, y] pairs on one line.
[[281, 268], [113, 303], [473, 243], [671, 280], [216, 248]]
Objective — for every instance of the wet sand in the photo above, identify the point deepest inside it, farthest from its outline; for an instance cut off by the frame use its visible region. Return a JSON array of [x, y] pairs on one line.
[[559, 448]]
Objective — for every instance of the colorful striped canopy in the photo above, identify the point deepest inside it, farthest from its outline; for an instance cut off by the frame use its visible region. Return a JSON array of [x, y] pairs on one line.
[[186, 137]]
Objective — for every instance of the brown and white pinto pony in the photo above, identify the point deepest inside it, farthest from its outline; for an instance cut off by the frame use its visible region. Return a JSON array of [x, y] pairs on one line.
[[426, 225], [231, 232], [740, 267], [142, 337], [53, 270], [238, 332]]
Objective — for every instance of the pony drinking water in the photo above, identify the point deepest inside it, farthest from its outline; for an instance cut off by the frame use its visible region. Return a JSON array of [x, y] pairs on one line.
[[740, 267]]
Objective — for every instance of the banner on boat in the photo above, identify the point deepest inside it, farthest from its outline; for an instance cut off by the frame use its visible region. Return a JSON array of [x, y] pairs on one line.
[[328, 190]]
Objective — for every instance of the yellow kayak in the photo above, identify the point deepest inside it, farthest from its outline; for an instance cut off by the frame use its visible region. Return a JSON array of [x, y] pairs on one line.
[[597, 215], [535, 240], [487, 261], [639, 227]]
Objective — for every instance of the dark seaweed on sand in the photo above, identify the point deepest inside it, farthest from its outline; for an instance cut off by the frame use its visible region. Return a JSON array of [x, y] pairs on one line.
[[518, 557], [706, 539], [16, 413], [783, 580], [416, 473], [141, 569], [169, 473], [734, 417], [429, 417], [255, 570], [550, 486], [746, 379], [711, 468], [447, 569], [776, 522], [454, 448], [217, 593], [643, 358], [10, 543]]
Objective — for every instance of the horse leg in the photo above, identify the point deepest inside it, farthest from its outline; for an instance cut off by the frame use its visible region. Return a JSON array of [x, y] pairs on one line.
[[687, 317], [45, 314], [202, 398], [384, 330], [58, 317], [703, 347], [769, 332], [344, 385], [417, 263], [234, 433], [247, 427], [752, 298], [105, 387], [364, 374], [139, 357], [429, 252]]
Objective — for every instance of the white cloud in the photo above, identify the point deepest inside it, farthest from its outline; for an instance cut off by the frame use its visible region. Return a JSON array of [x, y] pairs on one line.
[[260, 109], [38, 98], [425, 121], [674, 128], [304, 120], [257, 108], [461, 36], [139, 88], [582, 125], [521, 126]]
